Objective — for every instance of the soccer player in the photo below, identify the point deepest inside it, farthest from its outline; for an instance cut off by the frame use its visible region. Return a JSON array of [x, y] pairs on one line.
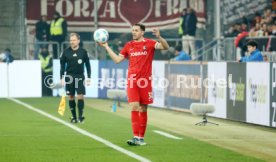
[[72, 62], [140, 53]]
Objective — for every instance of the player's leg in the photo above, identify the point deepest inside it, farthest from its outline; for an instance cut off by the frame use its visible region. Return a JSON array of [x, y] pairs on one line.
[[185, 43], [81, 92], [70, 91], [192, 47], [80, 108], [133, 99], [134, 123], [146, 98], [143, 119], [72, 105]]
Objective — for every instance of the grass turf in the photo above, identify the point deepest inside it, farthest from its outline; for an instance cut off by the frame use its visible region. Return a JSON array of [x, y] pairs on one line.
[[28, 136]]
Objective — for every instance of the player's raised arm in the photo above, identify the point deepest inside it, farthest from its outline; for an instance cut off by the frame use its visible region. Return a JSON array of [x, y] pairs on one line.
[[116, 58], [163, 44]]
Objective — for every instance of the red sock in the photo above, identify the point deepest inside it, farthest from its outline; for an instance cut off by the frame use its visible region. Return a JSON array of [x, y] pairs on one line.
[[143, 123], [135, 122]]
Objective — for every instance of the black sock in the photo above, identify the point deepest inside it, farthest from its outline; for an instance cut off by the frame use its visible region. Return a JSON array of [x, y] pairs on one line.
[[72, 105], [80, 107]]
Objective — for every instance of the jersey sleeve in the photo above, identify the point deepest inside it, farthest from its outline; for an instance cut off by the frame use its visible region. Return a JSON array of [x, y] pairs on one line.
[[62, 64], [124, 51], [87, 64], [153, 43]]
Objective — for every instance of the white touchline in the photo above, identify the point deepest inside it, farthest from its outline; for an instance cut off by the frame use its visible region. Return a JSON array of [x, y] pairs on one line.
[[167, 135], [84, 132]]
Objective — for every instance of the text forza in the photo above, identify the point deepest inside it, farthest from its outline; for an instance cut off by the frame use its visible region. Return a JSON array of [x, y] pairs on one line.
[[109, 8]]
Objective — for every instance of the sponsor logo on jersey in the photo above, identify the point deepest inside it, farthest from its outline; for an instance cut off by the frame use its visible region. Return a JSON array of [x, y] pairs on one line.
[[139, 53]]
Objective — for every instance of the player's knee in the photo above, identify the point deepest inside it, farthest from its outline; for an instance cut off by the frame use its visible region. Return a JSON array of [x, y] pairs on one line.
[[80, 97], [143, 108], [135, 106], [71, 97]]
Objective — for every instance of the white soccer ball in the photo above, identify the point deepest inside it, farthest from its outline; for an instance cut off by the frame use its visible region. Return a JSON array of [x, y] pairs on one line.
[[101, 35]]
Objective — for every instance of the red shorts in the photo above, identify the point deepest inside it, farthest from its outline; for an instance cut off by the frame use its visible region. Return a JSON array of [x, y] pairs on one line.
[[140, 90]]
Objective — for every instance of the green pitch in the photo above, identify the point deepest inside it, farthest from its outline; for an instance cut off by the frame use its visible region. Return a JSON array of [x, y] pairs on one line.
[[28, 136]]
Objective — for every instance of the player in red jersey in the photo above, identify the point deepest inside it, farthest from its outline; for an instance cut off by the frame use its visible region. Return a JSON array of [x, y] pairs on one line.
[[140, 53]]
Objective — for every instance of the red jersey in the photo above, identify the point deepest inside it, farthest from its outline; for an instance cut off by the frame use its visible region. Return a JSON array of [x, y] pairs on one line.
[[140, 55]]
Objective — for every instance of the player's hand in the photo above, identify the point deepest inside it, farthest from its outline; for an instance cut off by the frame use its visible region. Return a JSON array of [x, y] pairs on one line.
[[105, 44], [88, 81], [156, 32]]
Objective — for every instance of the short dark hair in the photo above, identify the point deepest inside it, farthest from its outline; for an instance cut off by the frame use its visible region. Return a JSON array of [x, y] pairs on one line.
[[178, 48], [8, 50], [142, 27], [252, 43]]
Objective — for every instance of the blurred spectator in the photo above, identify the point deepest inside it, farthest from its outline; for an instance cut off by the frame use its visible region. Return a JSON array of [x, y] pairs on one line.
[[256, 31], [267, 17], [180, 54], [273, 29], [47, 70], [58, 32], [182, 19], [229, 32], [257, 19], [188, 30], [264, 29], [42, 34], [6, 56], [266, 58], [244, 26], [254, 53], [269, 29], [237, 29]]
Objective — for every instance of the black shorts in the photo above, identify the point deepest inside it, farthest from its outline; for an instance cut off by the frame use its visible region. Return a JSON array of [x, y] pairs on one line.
[[75, 83]]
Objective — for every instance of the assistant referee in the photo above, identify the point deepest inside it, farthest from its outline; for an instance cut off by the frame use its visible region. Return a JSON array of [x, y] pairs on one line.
[[72, 62]]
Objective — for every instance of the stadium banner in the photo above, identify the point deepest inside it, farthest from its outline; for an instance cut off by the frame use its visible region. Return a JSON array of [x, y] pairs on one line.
[[217, 87], [4, 80], [111, 76], [91, 90], [115, 15], [272, 118], [184, 84], [24, 78], [236, 91], [158, 83], [257, 92]]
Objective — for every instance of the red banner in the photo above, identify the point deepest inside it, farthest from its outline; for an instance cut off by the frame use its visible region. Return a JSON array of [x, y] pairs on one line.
[[115, 15]]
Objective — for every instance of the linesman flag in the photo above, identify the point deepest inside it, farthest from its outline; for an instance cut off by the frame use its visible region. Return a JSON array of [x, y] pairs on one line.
[[62, 105]]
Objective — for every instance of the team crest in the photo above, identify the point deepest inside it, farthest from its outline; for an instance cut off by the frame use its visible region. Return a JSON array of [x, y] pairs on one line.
[[79, 61], [144, 48]]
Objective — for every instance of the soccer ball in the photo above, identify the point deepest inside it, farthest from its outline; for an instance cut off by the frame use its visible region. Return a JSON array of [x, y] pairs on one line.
[[100, 35]]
